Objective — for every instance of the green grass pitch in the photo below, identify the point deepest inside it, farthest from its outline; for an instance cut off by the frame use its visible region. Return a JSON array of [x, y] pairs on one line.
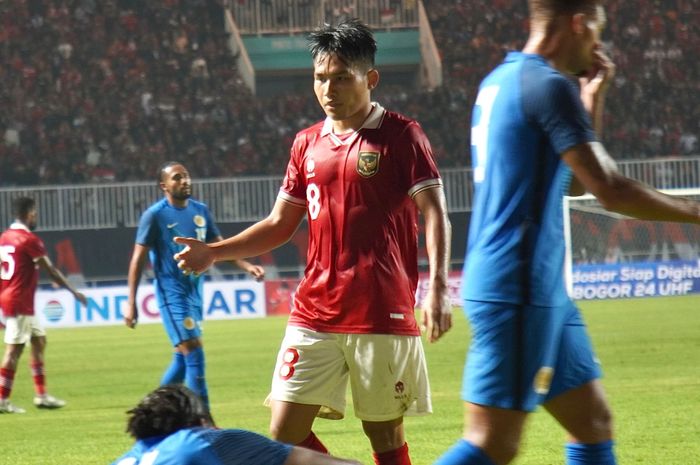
[[650, 350]]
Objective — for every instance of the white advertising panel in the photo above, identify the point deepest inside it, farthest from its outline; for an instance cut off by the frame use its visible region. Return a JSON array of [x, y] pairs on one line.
[[106, 305]]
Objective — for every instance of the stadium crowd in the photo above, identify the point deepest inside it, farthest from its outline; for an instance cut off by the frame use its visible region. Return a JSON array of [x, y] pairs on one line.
[[108, 90]]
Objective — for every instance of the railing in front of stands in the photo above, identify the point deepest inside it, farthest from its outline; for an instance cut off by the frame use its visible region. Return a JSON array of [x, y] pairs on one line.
[[248, 199], [298, 16]]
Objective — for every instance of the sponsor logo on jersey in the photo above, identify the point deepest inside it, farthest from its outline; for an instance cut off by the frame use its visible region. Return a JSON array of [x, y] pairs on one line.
[[199, 221], [310, 165], [368, 164]]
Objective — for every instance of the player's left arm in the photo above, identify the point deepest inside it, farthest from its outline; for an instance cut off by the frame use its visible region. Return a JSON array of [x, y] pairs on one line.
[[436, 309], [58, 277], [256, 271]]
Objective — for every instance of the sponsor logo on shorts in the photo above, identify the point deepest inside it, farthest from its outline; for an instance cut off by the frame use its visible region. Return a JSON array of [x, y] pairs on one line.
[[400, 391], [543, 380], [367, 164], [189, 323]]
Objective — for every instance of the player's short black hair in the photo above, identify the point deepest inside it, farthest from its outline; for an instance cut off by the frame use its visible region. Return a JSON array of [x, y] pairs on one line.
[[21, 206], [351, 41], [166, 410], [164, 167]]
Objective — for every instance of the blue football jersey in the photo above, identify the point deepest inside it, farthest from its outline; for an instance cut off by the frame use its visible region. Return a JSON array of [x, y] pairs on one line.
[[525, 116], [159, 224], [206, 446]]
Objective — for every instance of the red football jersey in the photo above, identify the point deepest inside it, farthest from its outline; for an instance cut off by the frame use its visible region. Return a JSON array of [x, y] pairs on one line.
[[362, 271], [19, 250]]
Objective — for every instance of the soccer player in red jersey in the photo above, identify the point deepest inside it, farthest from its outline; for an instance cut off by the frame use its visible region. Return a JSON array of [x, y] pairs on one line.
[[360, 178], [21, 253]]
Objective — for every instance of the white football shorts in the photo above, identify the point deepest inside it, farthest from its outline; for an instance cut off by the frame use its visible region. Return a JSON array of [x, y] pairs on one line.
[[388, 374], [19, 329]]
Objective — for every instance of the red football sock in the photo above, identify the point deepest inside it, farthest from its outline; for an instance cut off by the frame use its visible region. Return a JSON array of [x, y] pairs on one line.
[[313, 443], [393, 457], [7, 376], [39, 378]]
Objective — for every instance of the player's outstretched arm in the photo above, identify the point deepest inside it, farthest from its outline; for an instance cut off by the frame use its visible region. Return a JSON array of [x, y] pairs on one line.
[[598, 173], [138, 259], [58, 277], [436, 309], [261, 237], [303, 456], [256, 271]]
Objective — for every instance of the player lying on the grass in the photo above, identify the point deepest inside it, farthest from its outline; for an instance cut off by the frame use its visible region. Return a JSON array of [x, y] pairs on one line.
[[171, 427]]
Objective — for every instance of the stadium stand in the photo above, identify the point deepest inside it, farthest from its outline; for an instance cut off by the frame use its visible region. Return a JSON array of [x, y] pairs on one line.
[[107, 90]]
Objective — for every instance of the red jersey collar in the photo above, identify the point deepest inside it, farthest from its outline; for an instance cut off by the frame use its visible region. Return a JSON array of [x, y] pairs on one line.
[[373, 121]]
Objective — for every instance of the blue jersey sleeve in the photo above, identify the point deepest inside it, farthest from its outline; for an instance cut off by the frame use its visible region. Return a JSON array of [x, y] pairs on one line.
[[147, 232], [212, 229], [240, 447], [553, 103]]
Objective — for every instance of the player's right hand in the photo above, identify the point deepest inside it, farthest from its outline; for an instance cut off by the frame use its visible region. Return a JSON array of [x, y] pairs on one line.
[[436, 314], [131, 318], [196, 257]]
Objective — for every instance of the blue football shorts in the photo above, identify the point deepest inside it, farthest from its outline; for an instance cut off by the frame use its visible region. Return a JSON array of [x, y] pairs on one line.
[[181, 321], [522, 356]]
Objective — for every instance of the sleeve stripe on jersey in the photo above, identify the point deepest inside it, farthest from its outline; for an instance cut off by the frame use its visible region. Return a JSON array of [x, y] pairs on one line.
[[294, 200], [423, 185]]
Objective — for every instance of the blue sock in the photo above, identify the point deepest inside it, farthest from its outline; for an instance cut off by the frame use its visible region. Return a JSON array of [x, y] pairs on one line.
[[590, 454], [194, 375], [175, 373], [464, 453]]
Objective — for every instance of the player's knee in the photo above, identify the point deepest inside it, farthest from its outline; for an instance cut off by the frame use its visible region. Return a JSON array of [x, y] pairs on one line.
[[502, 452], [601, 423], [595, 427], [500, 446], [385, 435], [287, 435], [12, 355]]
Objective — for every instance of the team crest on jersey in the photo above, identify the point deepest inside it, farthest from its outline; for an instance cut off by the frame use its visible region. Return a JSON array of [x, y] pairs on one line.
[[367, 164], [199, 221]]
